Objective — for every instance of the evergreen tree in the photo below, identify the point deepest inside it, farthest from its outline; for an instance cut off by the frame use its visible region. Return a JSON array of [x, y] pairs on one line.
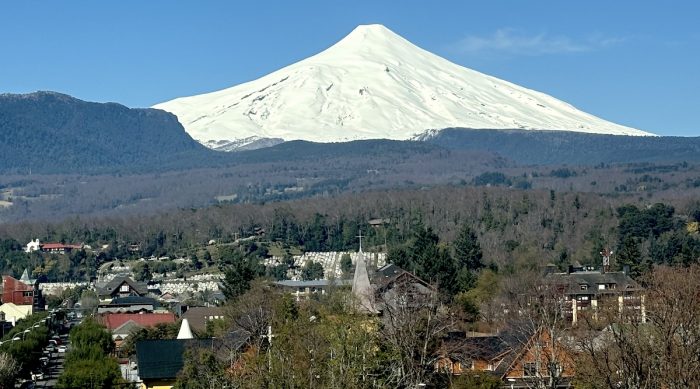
[[239, 271], [628, 254], [468, 252], [346, 265], [312, 271], [239, 274]]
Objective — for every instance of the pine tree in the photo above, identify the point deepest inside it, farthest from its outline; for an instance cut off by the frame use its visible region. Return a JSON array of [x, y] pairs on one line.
[[467, 250], [629, 255]]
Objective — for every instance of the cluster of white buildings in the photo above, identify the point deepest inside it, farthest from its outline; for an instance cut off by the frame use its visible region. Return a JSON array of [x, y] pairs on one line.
[[330, 260]]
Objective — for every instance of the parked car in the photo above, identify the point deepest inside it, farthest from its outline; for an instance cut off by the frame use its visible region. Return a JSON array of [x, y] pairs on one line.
[[44, 360], [61, 349], [37, 376]]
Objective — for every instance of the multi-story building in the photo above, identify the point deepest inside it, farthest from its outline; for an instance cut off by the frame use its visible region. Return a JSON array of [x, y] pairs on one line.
[[587, 290]]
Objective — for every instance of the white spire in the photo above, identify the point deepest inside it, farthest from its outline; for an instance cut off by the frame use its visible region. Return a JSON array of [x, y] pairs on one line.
[[25, 276], [361, 288], [185, 331]]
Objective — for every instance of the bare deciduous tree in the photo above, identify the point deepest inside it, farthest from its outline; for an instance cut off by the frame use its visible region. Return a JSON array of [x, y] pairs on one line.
[[663, 352], [412, 322]]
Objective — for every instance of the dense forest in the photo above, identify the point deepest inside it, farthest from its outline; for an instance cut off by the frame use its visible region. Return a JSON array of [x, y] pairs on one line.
[[574, 148], [515, 228], [47, 132], [357, 167]]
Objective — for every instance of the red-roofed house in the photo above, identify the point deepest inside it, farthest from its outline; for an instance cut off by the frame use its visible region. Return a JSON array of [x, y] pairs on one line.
[[59, 248], [115, 320], [17, 292], [121, 325]]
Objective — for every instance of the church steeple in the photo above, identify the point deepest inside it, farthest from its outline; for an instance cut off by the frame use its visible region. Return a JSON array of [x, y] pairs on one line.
[[185, 331], [361, 288]]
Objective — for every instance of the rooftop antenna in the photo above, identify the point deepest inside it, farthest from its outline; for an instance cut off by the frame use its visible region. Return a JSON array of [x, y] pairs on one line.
[[606, 254]]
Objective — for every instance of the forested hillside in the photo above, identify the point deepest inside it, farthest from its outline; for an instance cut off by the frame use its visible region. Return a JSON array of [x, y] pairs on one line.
[[573, 148], [47, 132], [519, 228]]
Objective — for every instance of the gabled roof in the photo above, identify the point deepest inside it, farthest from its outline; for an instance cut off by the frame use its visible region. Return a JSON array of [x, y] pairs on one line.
[[388, 270], [113, 285], [197, 316], [390, 274], [573, 281], [16, 311], [115, 320], [491, 348], [163, 359], [127, 328], [160, 359]]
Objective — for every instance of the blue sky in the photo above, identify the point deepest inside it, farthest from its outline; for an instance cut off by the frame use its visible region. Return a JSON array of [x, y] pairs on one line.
[[636, 63]]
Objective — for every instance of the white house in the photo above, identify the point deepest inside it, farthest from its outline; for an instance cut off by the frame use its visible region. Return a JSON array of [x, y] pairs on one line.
[[32, 246]]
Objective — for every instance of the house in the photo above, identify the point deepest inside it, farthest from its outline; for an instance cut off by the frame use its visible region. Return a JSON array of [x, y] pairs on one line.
[[198, 317], [121, 287], [393, 284], [461, 352], [159, 361], [22, 292], [586, 290], [13, 312], [59, 248], [129, 304], [113, 321], [540, 360], [519, 360], [379, 222], [121, 325], [32, 246]]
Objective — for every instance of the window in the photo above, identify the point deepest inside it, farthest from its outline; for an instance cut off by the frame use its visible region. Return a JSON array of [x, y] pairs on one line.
[[601, 286], [28, 294], [529, 369], [124, 288], [584, 287]]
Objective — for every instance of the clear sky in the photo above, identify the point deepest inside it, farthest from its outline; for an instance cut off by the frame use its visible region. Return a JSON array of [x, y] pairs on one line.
[[636, 63]]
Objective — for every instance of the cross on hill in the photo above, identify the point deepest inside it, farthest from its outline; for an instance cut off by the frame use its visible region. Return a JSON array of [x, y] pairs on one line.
[[360, 236]]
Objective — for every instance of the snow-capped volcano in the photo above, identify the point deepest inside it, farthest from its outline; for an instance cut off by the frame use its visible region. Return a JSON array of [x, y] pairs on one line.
[[373, 84]]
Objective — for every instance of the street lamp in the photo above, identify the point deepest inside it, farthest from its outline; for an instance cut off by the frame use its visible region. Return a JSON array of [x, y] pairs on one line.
[[24, 334]]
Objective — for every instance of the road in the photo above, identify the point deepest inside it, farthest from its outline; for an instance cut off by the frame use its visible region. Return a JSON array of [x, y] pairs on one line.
[[55, 367]]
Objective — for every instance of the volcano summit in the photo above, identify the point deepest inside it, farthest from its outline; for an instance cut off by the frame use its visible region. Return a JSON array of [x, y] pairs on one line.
[[373, 84]]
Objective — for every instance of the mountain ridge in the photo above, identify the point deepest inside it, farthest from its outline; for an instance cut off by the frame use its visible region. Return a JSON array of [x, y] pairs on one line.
[[374, 84], [54, 132]]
